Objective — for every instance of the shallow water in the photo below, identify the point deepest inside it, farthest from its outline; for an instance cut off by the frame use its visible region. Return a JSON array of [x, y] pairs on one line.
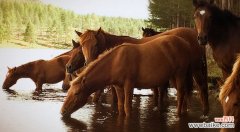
[[21, 111]]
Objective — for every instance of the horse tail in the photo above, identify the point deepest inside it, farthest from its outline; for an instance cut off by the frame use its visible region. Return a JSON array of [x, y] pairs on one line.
[[232, 80]]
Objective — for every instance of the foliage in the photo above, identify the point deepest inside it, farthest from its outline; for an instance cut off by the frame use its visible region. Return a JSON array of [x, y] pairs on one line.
[[170, 13], [42, 23]]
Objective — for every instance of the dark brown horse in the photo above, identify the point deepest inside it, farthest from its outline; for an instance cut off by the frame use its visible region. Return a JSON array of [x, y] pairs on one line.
[[148, 32], [95, 42], [221, 29], [230, 95], [40, 71], [147, 65]]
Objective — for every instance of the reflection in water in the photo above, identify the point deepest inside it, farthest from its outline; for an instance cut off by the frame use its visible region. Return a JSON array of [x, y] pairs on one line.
[[47, 94], [74, 124]]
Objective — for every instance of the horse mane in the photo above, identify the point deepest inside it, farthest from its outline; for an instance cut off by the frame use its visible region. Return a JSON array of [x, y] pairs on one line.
[[26, 67], [228, 85], [92, 64]]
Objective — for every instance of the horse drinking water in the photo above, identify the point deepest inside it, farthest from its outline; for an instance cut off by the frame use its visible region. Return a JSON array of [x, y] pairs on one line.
[[40, 71]]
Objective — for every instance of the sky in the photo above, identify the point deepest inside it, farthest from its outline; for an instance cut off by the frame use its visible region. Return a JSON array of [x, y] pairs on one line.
[[123, 8]]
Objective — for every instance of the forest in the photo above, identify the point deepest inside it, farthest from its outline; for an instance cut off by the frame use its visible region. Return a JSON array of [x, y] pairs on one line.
[[179, 13], [32, 22]]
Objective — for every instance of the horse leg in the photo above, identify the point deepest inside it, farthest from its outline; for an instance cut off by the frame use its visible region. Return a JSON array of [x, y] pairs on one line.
[[155, 96], [38, 87], [120, 98], [180, 93], [162, 94], [97, 96], [201, 80], [114, 96], [128, 92]]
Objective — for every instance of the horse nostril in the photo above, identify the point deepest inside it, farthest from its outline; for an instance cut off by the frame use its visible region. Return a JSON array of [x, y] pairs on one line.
[[198, 37]]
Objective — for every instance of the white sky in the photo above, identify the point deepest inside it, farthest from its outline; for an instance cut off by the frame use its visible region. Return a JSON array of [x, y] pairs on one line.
[[123, 8]]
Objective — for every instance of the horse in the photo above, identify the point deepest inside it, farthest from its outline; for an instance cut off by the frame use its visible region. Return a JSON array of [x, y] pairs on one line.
[[220, 29], [148, 32], [95, 42], [230, 95], [40, 71], [146, 65], [69, 77]]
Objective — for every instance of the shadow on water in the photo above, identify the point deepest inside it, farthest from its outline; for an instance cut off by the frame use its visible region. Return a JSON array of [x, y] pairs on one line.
[[48, 94]]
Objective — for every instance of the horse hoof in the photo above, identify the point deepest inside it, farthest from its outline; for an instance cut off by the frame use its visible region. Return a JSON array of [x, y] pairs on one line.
[[36, 93]]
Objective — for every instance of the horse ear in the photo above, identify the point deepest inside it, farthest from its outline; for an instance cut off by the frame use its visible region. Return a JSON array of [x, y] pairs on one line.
[[78, 33], [8, 68], [99, 30], [75, 44], [143, 29], [195, 3]]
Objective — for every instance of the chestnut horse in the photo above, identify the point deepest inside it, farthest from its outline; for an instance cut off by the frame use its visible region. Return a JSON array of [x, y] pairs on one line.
[[230, 95], [40, 71], [221, 29], [147, 65], [95, 42], [148, 32], [69, 76]]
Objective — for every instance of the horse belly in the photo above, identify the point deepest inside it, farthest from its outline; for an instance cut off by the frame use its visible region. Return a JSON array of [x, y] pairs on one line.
[[154, 72], [54, 75]]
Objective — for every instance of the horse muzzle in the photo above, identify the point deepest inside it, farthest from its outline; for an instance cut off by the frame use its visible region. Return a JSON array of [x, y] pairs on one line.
[[202, 40], [70, 69], [65, 114]]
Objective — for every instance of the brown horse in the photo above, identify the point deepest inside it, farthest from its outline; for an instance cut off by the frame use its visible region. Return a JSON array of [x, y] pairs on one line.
[[148, 32], [69, 76], [147, 65], [221, 29], [40, 71], [230, 95], [95, 42]]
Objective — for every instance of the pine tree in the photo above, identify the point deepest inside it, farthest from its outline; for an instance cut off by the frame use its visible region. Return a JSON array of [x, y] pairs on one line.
[[29, 33]]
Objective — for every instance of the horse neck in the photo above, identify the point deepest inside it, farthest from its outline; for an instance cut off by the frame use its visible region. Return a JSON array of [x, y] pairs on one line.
[[24, 71], [221, 31], [99, 75], [114, 40]]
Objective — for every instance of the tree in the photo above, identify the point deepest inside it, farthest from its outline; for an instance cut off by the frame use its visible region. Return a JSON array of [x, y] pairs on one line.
[[29, 33]]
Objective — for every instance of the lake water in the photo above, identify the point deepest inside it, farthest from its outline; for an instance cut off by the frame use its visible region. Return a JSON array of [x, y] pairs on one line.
[[21, 111]]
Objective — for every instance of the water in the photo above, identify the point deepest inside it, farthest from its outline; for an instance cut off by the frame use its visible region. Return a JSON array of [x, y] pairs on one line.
[[21, 111]]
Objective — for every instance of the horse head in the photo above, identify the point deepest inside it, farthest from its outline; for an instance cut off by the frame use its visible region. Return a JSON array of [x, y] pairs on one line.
[[77, 59], [148, 32], [203, 19], [91, 42], [76, 97], [11, 78], [230, 94]]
